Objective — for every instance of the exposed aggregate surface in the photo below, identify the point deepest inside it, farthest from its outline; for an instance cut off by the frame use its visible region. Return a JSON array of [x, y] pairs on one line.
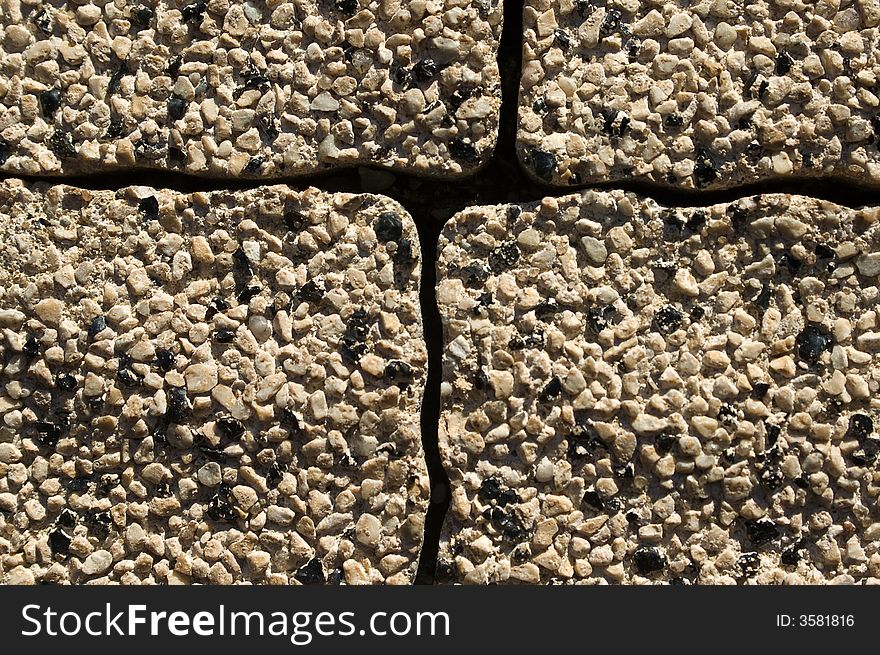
[[225, 387], [700, 94], [635, 394], [229, 88], [216, 387]]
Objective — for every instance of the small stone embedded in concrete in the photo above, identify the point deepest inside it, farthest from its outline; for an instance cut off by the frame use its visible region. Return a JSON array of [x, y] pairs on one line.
[[137, 447], [642, 395]]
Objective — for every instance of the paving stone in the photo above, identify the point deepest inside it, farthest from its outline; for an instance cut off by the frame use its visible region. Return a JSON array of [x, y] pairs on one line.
[[172, 435], [231, 88], [701, 94], [604, 423]]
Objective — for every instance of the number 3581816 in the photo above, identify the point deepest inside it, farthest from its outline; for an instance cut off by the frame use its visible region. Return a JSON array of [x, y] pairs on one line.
[[815, 620]]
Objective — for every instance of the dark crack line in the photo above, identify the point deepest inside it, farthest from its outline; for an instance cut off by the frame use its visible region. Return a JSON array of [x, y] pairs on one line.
[[429, 233], [432, 202]]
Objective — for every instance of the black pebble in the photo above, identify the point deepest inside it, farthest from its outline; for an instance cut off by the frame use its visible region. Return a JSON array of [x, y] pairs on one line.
[[50, 102], [401, 75], [336, 577], [665, 441], [128, 377], [543, 163], [248, 293], [290, 422], [867, 454], [5, 149], [388, 227], [823, 252], [594, 499], [312, 291], [510, 525], [504, 256], [704, 168], [65, 382], [597, 318], [561, 38], [474, 274], [444, 570], [66, 518], [860, 426], [116, 79], [404, 253], [583, 442], [762, 300], [149, 207], [783, 63], [165, 359], [673, 120], [192, 13], [388, 449], [552, 390], [791, 555], [59, 542], [649, 559], [610, 24], [547, 309], [31, 347], [77, 485], [773, 432], [224, 336], [353, 343], [114, 130], [43, 20], [274, 476], [98, 523], [254, 164], [178, 405], [749, 563], [668, 319], [294, 219], [48, 433], [762, 531], [142, 15], [174, 65], [220, 506], [230, 427], [490, 490], [311, 573], [176, 108], [61, 143], [462, 93], [399, 373], [424, 70], [812, 342], [268, 126]]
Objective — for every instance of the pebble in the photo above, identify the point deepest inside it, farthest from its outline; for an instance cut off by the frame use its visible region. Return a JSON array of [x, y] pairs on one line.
[[200, 377], [97, 563]]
